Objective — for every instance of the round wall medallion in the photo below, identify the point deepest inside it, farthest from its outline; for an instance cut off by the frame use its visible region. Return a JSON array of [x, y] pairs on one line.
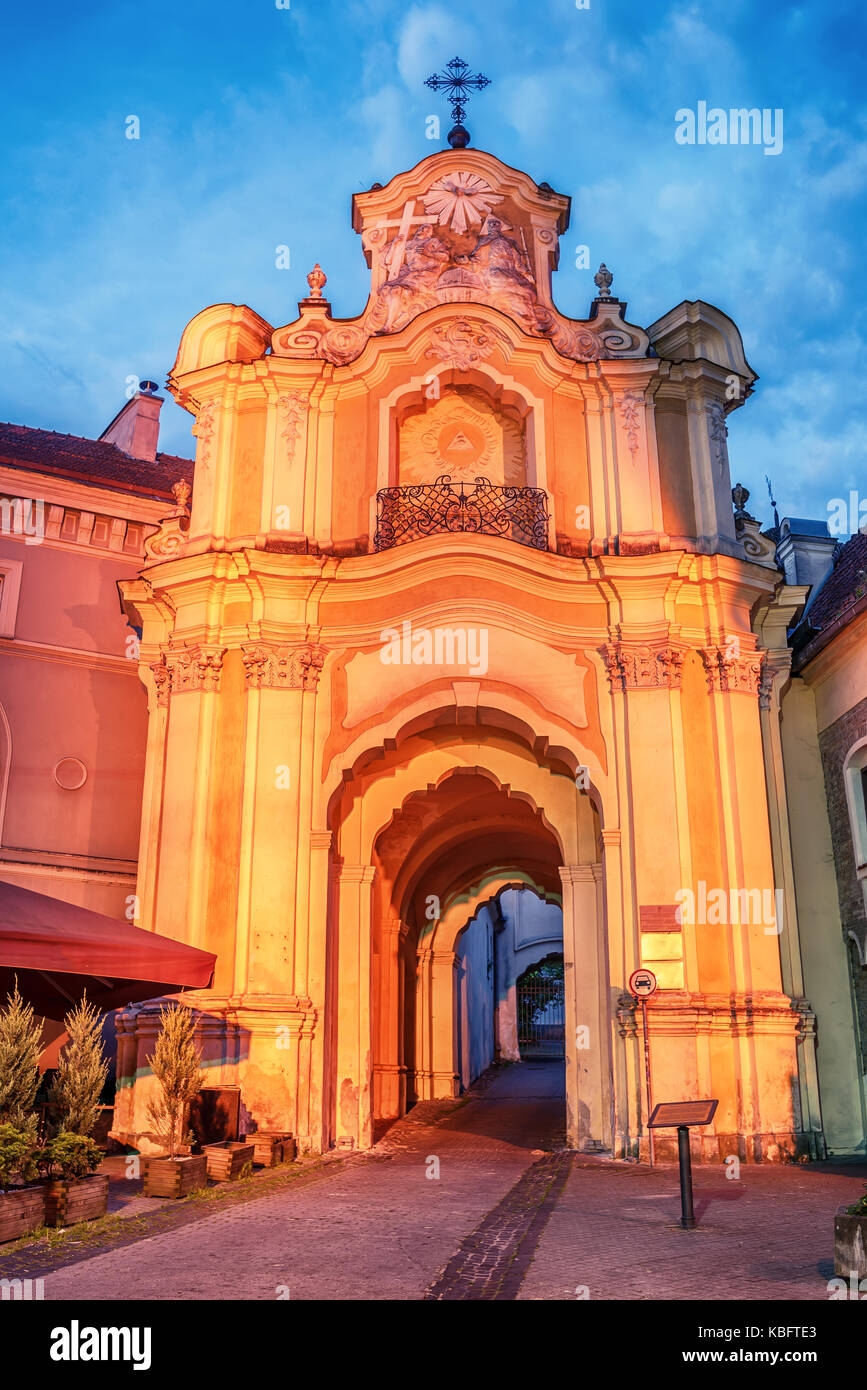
[[70, 774]]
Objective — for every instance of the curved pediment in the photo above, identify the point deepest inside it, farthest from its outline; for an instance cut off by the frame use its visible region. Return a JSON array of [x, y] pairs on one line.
[[221, 333], [697, 331], [461, 228]]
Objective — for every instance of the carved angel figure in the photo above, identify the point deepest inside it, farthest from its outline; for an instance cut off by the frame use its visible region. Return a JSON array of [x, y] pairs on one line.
[[412, 289], [505, 273]]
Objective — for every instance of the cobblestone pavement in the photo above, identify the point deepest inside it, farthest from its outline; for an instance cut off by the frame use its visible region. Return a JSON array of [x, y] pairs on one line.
[[769, 1235], [510, 1215]]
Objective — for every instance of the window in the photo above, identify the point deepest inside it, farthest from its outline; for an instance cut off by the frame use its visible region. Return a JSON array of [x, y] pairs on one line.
[[855, 777], [10, 584]]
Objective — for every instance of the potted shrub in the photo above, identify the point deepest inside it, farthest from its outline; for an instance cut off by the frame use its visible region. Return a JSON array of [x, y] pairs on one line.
[[176, 1066], [81, 1072], [74, 1190], [22, 1205], [850, 1240]]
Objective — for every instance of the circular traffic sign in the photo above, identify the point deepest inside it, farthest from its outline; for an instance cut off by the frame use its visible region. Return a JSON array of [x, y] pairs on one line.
[[642, 983]]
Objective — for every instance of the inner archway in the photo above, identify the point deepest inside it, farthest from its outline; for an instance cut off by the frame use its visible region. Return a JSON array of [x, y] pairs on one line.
[[507, 937]]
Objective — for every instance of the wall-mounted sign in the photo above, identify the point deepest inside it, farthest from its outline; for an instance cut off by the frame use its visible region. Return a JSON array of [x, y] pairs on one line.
[[642, 983]]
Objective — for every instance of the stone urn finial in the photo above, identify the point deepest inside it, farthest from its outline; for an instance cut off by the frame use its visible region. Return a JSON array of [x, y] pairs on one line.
[[603, 279], [316, 280], [182, 492], [740, 497]]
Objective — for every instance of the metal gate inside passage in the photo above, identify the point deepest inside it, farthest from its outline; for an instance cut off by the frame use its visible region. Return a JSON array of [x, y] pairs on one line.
[[541, 1010]]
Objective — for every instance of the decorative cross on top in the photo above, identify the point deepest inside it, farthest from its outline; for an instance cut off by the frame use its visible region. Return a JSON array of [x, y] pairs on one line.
[[458, 81]]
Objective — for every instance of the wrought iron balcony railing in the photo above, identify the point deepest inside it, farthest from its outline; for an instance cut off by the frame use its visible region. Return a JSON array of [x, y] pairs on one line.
[[426, 509]]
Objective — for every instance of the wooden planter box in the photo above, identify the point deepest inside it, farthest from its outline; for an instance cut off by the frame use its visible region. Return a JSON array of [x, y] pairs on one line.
[[21, 1211], [175, 1177], [850, 1244], [229, 1160], [84, 1199], [272, 1146]]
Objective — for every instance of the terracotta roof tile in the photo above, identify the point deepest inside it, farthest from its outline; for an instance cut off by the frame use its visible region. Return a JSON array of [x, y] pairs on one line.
[[840, 589], [90, 461]]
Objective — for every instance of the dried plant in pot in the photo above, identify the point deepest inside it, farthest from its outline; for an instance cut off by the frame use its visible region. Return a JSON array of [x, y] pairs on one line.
[[22, 1201], [74, 1191], [176, 1065]]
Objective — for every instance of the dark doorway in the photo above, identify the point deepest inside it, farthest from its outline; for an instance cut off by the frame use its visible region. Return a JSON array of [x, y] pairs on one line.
[[541, 1010]]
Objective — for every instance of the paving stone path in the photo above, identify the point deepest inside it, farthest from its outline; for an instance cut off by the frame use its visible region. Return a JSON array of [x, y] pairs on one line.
[[493, 1260], [475, 1200]]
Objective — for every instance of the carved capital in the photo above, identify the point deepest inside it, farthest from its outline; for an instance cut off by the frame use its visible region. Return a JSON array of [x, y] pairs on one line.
[[194, 668], [162, 683], [776, 664], [283, 667], [726, 673], [642, 667]]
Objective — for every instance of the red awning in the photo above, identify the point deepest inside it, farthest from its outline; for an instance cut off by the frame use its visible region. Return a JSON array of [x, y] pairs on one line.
[[58, 951]]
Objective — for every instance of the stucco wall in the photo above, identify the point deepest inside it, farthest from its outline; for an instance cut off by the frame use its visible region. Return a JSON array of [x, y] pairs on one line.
[[475, 997], [827, 981], [835, 743], [69, 691]]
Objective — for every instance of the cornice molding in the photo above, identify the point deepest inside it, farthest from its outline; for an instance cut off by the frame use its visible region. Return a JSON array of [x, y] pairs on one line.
[[66, 656]]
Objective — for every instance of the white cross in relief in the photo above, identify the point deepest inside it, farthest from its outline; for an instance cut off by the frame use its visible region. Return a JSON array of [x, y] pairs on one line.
[[394, 257]]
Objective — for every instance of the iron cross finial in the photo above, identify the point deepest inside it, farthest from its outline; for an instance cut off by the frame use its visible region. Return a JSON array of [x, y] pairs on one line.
[[457, 81]]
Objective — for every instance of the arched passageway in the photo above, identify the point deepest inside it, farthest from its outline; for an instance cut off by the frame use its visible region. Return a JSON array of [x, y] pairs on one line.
[[455, 841]]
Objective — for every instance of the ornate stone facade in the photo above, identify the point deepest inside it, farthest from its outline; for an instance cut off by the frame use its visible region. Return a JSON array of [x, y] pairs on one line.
[[476, 713]]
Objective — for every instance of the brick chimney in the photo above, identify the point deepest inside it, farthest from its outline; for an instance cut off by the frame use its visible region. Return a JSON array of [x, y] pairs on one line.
[[136, 428]]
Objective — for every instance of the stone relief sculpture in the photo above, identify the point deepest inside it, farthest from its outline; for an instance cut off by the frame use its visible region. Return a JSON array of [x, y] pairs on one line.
[[460, 199], [414, 286], [425, 270], [461, 240]]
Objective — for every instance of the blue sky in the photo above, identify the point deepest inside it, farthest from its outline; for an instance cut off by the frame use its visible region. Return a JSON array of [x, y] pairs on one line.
[[258, 123]]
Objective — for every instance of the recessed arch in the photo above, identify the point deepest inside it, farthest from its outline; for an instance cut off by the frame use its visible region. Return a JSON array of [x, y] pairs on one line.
[[462, 706], [492, 381]]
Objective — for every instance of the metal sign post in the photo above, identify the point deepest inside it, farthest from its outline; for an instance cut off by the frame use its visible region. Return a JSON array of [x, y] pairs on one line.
[[681, 1115], [687, 1211], [642, 983]]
